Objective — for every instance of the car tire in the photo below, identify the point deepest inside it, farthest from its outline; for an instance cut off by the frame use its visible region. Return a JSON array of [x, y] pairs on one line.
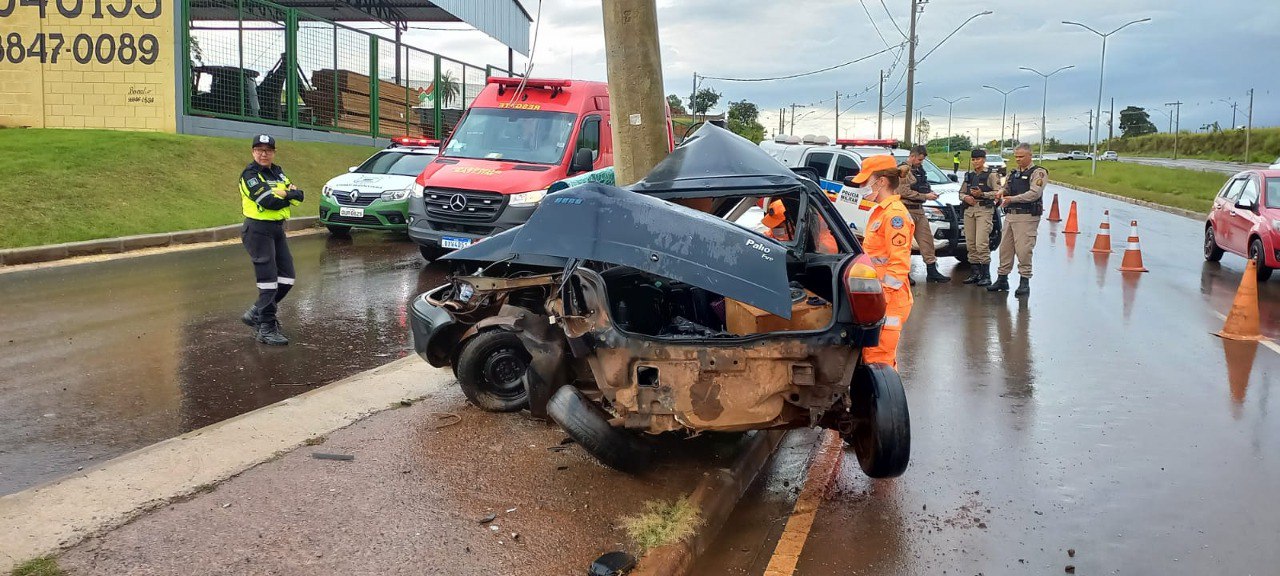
[[431, 253], [1212, 252], [588, 425], [339, 231], [1256, 254], [490, 371], [881, 431]]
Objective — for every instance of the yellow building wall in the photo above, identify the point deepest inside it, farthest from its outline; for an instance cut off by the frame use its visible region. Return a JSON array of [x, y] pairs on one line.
[[88, 64]]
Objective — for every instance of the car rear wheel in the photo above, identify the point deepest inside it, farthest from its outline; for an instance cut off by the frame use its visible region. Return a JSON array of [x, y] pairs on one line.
[[1256, 254], [490, 371], [588, 425], [881, 431], [1212, 252], [431, 253], [339, 231]]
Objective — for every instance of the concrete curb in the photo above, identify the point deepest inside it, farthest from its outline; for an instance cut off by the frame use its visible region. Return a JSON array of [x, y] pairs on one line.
[[51, 252], [44, 519], [1192, 214], [715, 497]]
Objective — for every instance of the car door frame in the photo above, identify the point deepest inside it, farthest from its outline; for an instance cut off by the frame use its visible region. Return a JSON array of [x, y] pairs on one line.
[[1232, 227]]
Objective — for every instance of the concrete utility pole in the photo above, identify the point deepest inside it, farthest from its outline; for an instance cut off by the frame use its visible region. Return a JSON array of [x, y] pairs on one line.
[[880, 110], [1111, 121], [1177, 124], [911, 71], [637, 103], [793, 116], [1248, 130], [837, 136]]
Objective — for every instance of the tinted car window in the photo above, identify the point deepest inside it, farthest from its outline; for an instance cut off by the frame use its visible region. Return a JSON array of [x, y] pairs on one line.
[[820, 161], [1273, 192], [590, 136], [1232, 190], [845, 167], [1250, 193]]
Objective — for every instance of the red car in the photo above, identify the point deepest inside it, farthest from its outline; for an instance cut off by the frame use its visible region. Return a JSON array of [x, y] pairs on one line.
[[1245, 220]]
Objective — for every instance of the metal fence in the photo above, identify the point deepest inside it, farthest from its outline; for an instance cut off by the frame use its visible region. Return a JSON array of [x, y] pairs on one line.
[[256, 61]]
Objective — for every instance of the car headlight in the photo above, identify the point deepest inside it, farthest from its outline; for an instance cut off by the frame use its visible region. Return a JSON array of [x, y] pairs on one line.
[[396, 194], [416, 190], [528, 198], [934, 214]]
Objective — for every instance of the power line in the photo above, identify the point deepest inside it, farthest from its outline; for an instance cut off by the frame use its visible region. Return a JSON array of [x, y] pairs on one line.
[[802, 74], [872, 20], [895, 22]]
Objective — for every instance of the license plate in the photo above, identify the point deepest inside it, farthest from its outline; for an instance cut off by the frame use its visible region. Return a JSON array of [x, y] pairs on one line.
[[454, 242], [352, 212]]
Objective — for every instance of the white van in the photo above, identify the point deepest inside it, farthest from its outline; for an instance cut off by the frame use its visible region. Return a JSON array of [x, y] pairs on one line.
[[836, 162]]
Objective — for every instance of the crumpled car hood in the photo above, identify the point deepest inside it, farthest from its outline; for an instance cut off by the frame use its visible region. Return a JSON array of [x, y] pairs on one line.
[[608, 224]]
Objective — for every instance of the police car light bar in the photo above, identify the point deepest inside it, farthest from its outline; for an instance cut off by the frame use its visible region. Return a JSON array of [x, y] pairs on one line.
[[531, 83], [887, 142], [411, 141]]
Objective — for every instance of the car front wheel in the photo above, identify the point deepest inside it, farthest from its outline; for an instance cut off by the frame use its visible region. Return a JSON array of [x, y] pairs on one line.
[[431, 253], [490, 371], [588, 425], [1256, 254], [339, 231], [1212, 252], [881, 431]]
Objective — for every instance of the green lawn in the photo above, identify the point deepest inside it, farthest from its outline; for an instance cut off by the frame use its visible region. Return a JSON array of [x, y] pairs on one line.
[[68, 185], [1189, 189]]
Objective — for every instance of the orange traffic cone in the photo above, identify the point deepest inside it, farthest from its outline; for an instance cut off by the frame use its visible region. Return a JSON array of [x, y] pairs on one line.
[[1243, 322], [1102, 242], [1053, 210], [1073, 227], [1133, 252]]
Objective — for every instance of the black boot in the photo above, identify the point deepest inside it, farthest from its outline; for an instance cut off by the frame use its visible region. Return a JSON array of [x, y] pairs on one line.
[[1024, 287], [934, 275], [984, 270], [251, 318], [269, 333], [1000, 285], [911, 280], [975, 273]]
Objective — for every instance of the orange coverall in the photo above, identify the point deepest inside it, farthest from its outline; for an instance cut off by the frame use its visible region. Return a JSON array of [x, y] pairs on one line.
[[888, 243]]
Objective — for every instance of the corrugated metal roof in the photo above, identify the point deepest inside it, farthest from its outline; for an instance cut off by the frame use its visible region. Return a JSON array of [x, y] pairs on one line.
[[504, 20]]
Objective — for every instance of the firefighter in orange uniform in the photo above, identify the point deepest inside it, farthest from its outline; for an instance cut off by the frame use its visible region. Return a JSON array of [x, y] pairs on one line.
[[888, 243]]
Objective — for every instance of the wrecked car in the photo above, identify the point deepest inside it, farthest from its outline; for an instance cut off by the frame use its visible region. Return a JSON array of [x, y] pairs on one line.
[[718, 294]]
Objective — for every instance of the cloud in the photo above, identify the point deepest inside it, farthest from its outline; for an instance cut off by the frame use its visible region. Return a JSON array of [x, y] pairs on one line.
[[1194, 52]]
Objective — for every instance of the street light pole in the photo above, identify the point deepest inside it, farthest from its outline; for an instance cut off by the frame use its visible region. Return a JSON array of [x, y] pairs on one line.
[[1101, 71], [912, 40], [950, 103], [1044, 100], [1003, 108]]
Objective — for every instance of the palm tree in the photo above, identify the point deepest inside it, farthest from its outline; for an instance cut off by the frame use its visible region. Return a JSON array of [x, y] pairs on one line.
[[448, 88]]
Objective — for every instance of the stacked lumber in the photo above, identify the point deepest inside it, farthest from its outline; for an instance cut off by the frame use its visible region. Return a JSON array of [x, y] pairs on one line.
[[342, 98]]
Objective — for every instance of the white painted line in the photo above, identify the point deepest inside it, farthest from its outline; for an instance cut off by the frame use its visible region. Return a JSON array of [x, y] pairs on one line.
[[1265, 342]]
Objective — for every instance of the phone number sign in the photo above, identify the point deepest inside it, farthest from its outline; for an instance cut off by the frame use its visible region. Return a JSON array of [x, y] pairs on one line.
[[128, 33]]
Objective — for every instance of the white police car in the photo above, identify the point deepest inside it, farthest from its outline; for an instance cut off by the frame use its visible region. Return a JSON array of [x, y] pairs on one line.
[[375, 194], [835, 163]]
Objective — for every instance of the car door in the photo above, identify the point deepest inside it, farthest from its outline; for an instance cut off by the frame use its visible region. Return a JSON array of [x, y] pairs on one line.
[[1246, 220], [1219, 215], [1236, 222]]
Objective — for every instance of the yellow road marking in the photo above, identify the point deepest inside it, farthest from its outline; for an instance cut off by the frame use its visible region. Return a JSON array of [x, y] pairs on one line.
[[821, 472]]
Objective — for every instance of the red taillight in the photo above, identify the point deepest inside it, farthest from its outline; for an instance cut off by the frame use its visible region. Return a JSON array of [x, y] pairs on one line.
[[866, 296], [411, 141]]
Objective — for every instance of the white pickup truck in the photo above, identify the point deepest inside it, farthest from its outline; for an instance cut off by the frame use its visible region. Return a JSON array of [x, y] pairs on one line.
[[835, 163], [1077, 155]]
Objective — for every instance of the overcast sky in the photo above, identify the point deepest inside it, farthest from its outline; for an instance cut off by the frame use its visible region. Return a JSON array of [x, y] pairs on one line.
[[1198, 52]]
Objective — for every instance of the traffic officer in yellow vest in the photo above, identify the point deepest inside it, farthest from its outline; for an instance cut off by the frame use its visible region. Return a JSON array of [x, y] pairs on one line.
[[265, 197], [980, 190], [914, 191], [1023, 204]]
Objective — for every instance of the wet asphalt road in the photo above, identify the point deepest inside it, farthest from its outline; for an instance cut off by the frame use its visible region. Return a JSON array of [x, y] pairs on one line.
[[1195, 164], [100, 359], [1099, 416]]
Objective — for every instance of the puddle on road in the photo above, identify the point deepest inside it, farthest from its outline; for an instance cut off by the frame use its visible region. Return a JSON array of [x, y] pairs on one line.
[[124, 353]]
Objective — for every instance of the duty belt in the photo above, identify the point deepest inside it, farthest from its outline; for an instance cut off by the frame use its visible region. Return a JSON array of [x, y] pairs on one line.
[[1022, 208]]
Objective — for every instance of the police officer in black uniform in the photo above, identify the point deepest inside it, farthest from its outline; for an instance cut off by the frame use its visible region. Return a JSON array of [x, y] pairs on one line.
[[265, 197]]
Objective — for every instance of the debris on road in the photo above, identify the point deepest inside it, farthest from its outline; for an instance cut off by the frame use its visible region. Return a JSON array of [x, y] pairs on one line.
[[612, 564], [488, 519]]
